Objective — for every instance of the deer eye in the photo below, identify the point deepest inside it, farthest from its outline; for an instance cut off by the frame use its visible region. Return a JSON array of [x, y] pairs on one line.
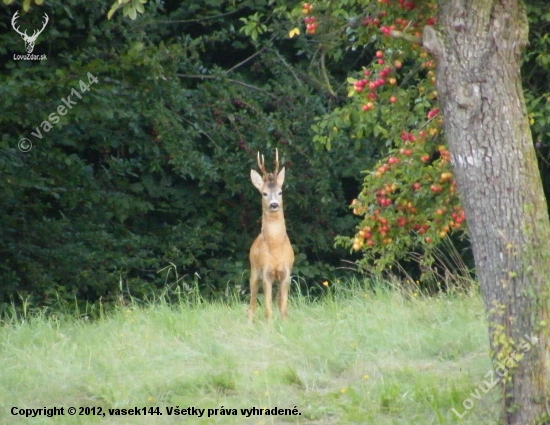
[[265, 194], [280, 193]]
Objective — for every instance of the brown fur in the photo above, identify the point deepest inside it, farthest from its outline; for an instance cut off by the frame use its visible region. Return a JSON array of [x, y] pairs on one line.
[[271, 254]]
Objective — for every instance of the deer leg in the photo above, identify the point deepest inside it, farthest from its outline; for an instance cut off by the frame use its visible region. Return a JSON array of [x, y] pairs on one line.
[[253, 294], [268, 285], [282, 295]]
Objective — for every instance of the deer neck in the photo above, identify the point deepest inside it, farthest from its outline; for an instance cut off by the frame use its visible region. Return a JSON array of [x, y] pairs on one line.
[[273, 226]]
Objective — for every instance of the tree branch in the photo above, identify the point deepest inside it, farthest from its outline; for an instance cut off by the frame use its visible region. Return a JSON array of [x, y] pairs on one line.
[[192, 124], [215, 77], [325, 75], [190, 21], [407, 37], [284, 62], [250, 57], [431, 41]]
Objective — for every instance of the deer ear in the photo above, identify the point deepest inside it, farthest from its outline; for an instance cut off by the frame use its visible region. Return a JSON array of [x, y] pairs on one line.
[[281, 177], [257, 180]]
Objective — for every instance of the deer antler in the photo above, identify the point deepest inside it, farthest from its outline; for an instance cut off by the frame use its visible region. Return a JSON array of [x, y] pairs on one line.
[[276, 171], [17, 28], [261, 165], [38, 32]]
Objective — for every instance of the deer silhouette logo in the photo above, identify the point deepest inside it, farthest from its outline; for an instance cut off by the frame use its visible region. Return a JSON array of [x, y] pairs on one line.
[[29, 40]]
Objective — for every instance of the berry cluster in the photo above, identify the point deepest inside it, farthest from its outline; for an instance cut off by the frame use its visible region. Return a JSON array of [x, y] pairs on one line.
[[310, 21]]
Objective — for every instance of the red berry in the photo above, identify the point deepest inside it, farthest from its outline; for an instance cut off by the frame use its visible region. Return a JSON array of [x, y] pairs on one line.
[[367, 21]]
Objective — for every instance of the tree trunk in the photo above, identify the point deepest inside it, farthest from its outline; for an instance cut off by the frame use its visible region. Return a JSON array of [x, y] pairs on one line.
[[478, 47]]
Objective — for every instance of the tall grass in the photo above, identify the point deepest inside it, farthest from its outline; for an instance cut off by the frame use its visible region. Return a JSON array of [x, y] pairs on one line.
[[364, 356]]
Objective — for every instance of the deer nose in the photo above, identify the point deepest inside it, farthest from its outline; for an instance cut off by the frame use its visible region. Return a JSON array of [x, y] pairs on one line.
[[274, 205]]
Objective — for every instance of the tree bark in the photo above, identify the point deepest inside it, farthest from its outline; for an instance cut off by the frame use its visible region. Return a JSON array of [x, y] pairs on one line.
[[478, 48]]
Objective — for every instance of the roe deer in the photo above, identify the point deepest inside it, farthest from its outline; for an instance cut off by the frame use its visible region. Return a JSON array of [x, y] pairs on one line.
[[271, 255]]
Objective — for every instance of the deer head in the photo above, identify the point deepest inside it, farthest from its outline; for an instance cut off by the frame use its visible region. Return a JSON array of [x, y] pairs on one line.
[[269, 184], [29, 40]]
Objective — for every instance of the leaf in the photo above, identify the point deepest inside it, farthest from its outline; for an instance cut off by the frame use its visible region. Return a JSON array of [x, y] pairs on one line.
[[293, 32], [380, 130]]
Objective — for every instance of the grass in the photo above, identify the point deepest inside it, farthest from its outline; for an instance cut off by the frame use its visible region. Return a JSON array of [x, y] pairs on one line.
[[357, 357]]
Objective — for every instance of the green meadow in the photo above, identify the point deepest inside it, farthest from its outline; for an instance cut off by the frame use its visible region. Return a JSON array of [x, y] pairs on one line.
[[358, 356]]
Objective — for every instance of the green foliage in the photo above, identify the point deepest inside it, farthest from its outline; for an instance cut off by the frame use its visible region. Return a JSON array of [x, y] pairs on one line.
[[151, 164], [253, 27], [130, 8], [535, 71], [409, 201], [27, 4]]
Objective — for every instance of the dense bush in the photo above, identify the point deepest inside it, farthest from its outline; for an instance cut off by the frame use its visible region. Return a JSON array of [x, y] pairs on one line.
[[151, 166]]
